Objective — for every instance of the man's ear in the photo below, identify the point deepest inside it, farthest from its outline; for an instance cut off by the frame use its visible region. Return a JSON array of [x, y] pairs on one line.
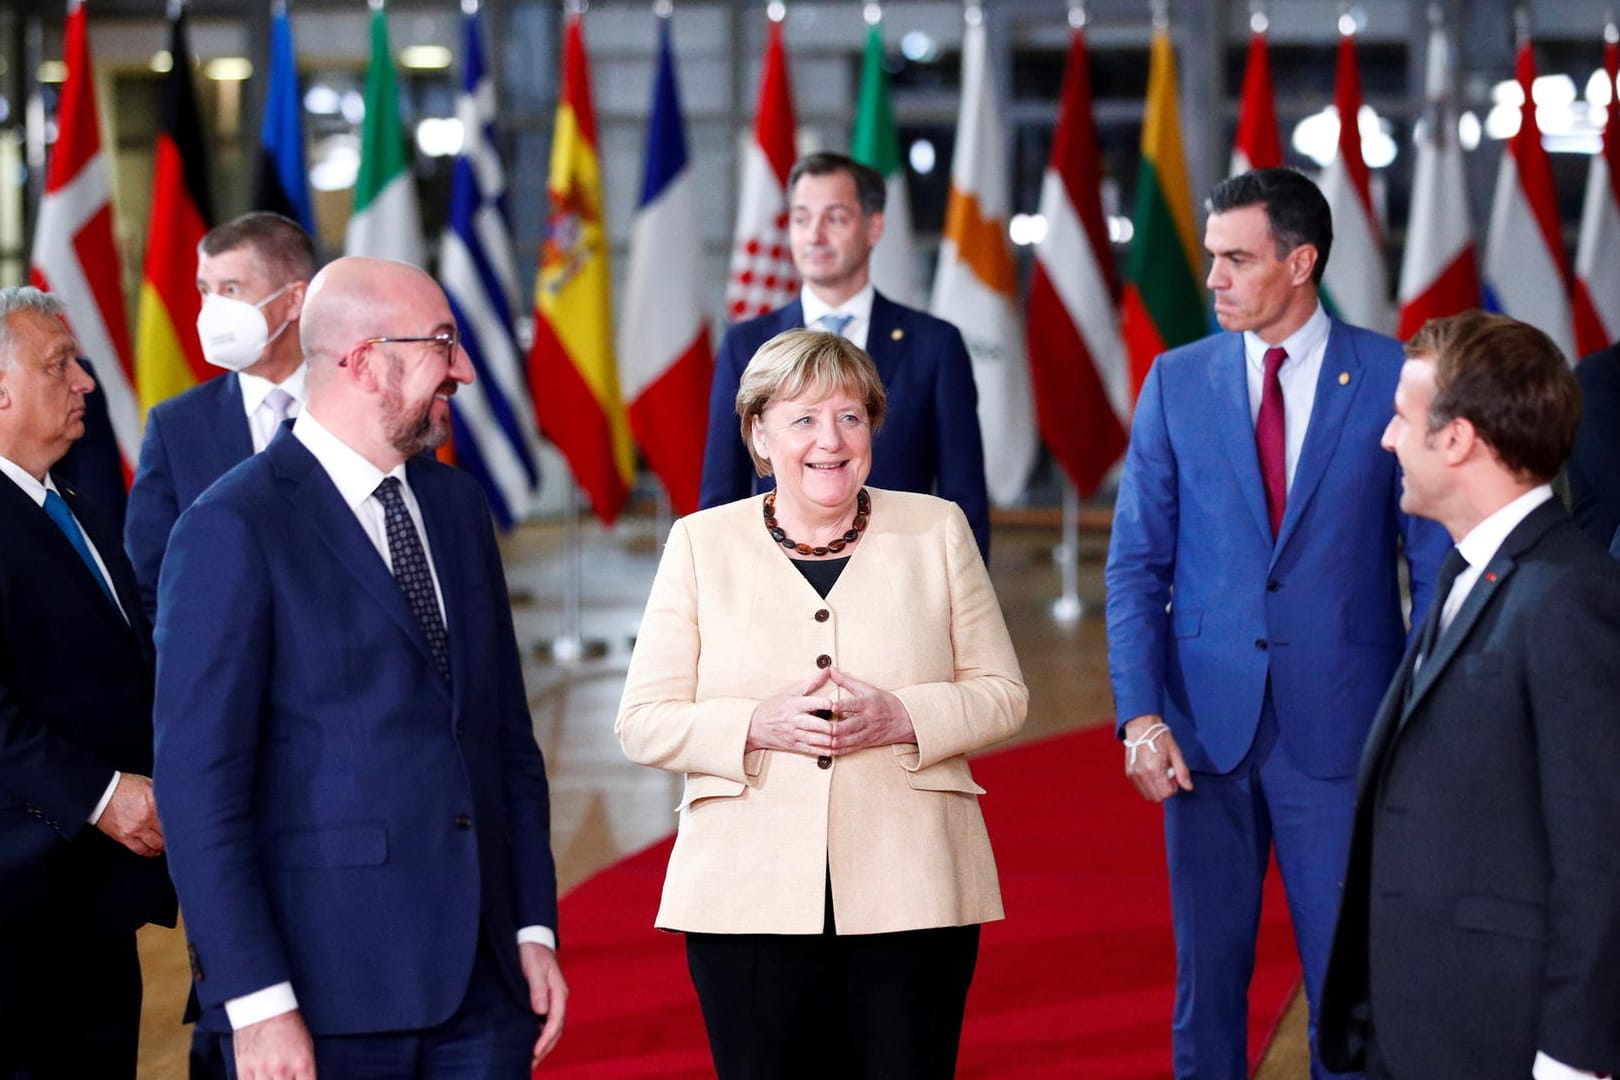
[[1302, 263], [874, 228]]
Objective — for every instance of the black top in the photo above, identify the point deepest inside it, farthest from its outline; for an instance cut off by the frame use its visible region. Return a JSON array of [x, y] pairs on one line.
[[822, 574]]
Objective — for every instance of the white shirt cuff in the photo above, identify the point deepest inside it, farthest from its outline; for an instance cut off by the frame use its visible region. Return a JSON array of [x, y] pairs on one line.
[[106, 797], [1547, 1068], [260, 1005], [538, 935]]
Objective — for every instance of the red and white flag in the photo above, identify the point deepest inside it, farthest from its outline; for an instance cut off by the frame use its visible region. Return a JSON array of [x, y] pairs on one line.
[[1597, 255], [1440, 272], [762, 275], [1355, 285], [74, 255], [1525, 273], [1077, 362], [1258, 144]]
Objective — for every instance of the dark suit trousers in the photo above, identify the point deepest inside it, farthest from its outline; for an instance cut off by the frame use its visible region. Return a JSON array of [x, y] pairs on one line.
[[813, 1006], [70, 1001]]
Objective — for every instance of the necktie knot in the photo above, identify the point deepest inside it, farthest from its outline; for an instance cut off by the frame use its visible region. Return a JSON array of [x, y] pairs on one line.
[[835, 321], [1274, 360], [280, 404]]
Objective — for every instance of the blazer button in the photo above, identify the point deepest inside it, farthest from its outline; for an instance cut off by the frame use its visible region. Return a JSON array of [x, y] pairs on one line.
[[1273, 585], [463, 821], [823, 661], [1262, 645], [824, 762], [823, 615]]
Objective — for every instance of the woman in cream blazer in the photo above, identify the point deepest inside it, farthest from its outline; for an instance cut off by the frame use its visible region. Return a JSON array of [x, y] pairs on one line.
[[830, 892]]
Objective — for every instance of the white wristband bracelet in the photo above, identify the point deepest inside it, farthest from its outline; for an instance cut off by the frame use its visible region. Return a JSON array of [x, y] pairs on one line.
[[1147, 739]]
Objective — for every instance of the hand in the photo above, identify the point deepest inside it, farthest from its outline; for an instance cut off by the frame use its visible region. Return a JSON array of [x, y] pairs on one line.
[[788, 721], [869, 717], [275, 1049], [548, 994], [1156, 768], [131, 816]]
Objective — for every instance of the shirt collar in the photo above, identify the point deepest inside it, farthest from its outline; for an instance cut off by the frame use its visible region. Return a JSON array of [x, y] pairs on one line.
[[1485, 539], [1298, 344], [859, 305], [355, 478], [25, 480], [255, 387]]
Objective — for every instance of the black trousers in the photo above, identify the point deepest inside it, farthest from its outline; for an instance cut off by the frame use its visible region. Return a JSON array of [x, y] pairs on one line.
[[70, 1001], [812, 1006]]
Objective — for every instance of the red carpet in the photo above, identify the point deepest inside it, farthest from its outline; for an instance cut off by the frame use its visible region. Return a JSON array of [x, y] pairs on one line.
[[1077, 982]]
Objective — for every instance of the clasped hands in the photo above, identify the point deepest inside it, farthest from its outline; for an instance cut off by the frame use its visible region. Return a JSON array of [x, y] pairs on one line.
[[864, 717]]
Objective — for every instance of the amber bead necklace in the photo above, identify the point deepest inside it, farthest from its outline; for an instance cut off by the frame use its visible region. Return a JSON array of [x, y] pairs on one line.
[[863, 511]]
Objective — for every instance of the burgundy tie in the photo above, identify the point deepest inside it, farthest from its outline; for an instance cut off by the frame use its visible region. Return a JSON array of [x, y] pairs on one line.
[[1269, 441]]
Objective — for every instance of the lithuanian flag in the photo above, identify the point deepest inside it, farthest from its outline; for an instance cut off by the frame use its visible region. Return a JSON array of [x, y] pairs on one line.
[[1163, 302], [571, 366], [168, 356]]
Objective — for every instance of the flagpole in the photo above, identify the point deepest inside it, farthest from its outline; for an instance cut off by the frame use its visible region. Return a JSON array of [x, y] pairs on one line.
[[1067, 608], [571, 647]]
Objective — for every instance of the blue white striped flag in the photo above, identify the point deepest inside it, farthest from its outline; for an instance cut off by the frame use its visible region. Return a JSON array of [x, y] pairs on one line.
[[282, 182], [492, 421]]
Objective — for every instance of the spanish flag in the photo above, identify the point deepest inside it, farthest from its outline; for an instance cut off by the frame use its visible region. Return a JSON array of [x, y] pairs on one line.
[[1163, 302], [168, 356], [572, 374]]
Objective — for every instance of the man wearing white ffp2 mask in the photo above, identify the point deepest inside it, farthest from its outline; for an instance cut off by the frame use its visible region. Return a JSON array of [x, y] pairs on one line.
[[252, 273]]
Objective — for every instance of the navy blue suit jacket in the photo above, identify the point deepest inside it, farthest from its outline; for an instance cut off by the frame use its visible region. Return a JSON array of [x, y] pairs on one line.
[[339, 815], [191, 440], [1316, 614], [75, 705], [930, 439]]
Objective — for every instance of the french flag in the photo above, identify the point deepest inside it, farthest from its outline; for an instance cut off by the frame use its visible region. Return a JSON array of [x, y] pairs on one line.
[[665, 362]]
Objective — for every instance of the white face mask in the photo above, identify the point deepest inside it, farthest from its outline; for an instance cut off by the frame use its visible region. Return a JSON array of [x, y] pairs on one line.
[[233, 332]]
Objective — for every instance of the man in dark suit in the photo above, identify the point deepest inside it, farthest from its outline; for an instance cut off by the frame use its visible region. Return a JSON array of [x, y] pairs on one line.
[[80, 843], [1480, 932], [356, 808], [252, 273], [930, 439], [1254, 602], [1594, 465]]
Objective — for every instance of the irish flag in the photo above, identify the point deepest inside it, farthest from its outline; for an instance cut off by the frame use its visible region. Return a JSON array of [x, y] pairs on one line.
[[875, 142], [1163, 302]]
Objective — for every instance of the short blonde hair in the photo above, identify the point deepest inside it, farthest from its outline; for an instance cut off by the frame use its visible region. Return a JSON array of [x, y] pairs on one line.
[[795, 362]]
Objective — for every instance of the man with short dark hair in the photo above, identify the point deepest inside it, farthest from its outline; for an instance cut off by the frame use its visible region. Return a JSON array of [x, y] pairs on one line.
[[1254, 600], [930, 441], [80, 841], [252, 273], [1480, 930]]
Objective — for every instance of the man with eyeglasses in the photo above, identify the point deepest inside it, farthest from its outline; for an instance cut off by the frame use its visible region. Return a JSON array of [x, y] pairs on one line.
[[252, 273], [355, 806]]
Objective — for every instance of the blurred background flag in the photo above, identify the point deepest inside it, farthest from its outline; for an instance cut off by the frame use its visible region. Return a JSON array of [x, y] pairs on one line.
[[386, 222], [571, 369], [1355, 286], [1258, 144], [73, 254], [876, 142], [666, 363], [168, 356], [1597, 254], [492, 420], [762, 276], [282, 182]]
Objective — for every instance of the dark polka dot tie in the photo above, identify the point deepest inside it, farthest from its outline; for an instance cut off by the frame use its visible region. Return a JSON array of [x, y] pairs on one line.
[[411, 571]]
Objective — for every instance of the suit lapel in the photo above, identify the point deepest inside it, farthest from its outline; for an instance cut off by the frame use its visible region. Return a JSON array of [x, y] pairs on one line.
[[122, 578], [1230, 382], [1336, 387], [235, 438], [886, 336], [48, 539], [317, 501]]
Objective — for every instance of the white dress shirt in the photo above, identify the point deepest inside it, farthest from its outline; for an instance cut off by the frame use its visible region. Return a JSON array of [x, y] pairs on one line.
[[36, 491], [356, 480], [1306, 348], [262, 422], [859, 306]]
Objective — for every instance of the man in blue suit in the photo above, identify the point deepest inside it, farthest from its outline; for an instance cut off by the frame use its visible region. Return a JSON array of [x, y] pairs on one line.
[[252, 273], [355, 806], [930, 440], [1254, 603], [81, 864]]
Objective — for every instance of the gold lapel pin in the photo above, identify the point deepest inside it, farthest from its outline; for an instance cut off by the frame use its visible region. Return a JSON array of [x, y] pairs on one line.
[[1344, 378], [896, 334]]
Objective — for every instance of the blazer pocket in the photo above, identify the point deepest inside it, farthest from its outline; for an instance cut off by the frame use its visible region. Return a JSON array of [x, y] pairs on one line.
[[700, 786], [952, 774], [1186, 624], [341, 845], [1498, 915]]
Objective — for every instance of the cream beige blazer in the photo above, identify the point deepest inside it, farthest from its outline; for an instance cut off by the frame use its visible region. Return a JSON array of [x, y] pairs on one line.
[[731, 622]]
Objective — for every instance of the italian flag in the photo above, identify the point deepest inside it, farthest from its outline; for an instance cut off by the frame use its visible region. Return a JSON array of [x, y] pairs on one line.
[[386, 222]]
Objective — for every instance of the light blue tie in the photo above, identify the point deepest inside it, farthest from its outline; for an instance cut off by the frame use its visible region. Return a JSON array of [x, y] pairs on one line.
[[834, 322], [57, 509]]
